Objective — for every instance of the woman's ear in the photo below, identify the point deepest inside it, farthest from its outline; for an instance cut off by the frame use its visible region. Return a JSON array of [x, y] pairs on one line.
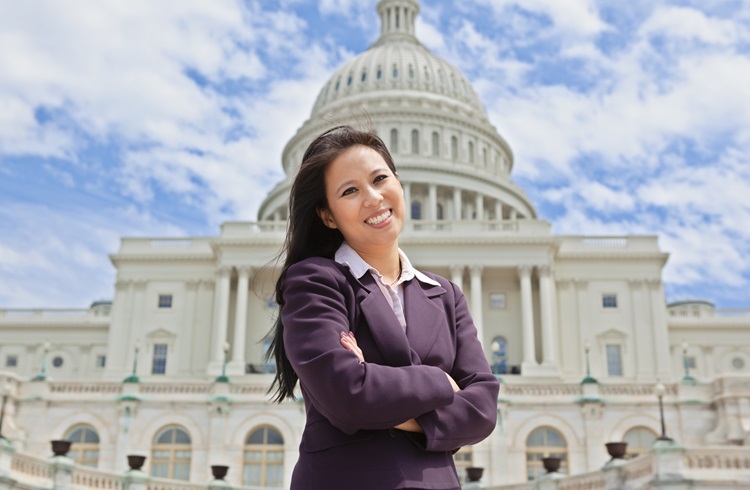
[[326, 218]]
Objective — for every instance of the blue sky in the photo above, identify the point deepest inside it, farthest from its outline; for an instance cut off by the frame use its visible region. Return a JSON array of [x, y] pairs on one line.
[[145, 118]]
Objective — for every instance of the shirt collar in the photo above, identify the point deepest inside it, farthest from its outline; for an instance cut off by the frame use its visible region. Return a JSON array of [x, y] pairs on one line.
[[346, 255]]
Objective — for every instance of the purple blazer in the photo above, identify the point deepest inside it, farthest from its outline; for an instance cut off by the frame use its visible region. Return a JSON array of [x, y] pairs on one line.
[[348, 440]]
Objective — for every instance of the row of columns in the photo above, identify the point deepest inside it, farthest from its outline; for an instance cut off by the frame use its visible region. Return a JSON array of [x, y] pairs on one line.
[[432, 204], [221, 319], [530, 366]]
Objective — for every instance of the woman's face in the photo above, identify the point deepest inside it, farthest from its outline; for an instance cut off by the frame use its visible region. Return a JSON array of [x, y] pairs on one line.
[[365, 199]]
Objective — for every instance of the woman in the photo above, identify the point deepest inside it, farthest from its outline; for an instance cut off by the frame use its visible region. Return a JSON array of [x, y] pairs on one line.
[[392, 374]]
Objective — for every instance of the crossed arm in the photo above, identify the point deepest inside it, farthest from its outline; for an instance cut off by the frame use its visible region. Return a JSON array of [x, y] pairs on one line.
[[350, 343]]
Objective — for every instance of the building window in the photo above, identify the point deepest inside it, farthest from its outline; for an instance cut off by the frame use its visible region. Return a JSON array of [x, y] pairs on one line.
[[171, 454], [57, 361], [435, 144], [454, 148], [497, 301], [415, 142], [499, 355], [165, 301], [101, 361], [264, 458], [349, 80], [614, 360], [542, 443], [394, 140], [738, 363], [440, 214], [379, 73], [364, 75], [85, 447], [690, 362], [463, 459], [484, 157], [416, 210], [11, 361], [471, 152], [640, 440], [609, 301], [159, 364], [411, 72], [394, 72]]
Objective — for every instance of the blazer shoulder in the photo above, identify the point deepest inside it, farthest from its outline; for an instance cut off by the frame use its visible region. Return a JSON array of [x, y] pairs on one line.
[[317, 266], [447, 284]]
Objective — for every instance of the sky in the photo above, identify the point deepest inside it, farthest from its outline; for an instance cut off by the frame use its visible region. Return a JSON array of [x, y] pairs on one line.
[[165, 119]]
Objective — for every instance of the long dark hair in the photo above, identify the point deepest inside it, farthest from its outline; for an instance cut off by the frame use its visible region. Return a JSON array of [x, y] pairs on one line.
[[306, 235]]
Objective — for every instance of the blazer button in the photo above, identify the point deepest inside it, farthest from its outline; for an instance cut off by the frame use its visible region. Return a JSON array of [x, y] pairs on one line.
[[392, 433]]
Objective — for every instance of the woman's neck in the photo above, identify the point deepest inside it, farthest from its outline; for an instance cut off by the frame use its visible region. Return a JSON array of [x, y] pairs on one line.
[[385, 261]]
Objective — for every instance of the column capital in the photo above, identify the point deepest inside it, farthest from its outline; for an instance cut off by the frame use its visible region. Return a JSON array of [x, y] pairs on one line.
[[457, 269], [636, 283], [564, 283], [244, 270], [123, 284], [192, 284], [476, 269], [653, 283], [224, 271], [544, 270], [524, 270], [140, 284], [581, 284]]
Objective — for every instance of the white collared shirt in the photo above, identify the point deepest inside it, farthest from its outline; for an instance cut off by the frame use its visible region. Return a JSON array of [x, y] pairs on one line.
[[346, 255]]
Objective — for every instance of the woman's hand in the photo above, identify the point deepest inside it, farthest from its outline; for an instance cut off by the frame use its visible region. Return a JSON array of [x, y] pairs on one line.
[[410, 425], [454, 385], [350, 343]]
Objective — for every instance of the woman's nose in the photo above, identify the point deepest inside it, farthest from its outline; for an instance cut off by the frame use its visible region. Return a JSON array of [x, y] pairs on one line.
[[373, 197]]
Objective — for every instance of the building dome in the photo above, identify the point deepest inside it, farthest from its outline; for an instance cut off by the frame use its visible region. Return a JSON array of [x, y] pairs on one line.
[[452, 161]]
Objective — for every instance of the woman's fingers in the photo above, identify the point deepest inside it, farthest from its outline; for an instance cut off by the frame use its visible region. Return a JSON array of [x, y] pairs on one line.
[[350, 343]]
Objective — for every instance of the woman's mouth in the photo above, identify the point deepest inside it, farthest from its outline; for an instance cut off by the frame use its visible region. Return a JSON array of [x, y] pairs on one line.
[[376, 220]]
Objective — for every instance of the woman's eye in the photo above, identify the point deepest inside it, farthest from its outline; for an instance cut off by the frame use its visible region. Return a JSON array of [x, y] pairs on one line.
[[380, 178], [348, 191]]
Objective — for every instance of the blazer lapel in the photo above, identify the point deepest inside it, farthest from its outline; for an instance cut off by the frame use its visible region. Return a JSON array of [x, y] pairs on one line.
[[423, 315], [383, 325]]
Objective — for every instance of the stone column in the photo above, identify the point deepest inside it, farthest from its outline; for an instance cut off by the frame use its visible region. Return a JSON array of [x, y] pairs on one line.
[[457, 276], [119, 332], [513, 214], [479, 199], [549, 341], [659, 329], [407, 199], [221, 317], [498, 210], [645, 359], [237, 366], [527, 320], [456, 204], [476, 300], [432, 202]]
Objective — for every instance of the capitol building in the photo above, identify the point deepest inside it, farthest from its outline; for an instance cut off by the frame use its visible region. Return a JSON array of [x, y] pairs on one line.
[[577, 328]]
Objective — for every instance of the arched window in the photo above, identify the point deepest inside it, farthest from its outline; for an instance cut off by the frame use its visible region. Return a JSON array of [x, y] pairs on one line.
[[171, 454], [463, 459], [471, 152], [640, 440], [416, 210], [454, 148], [394, 72], [411, 72], [85, 448], [415, 142], [264, 458], [349, 79], [499, 355], [541, 443], [440, 211], [435, 144], [364, 74], [379, 73], [394, 140]]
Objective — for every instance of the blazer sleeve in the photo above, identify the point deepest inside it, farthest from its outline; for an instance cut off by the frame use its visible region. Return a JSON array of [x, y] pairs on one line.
[[352, 396], [473, 414]]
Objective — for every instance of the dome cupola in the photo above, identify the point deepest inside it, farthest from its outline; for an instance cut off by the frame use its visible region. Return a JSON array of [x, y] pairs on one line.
[[452, 162]]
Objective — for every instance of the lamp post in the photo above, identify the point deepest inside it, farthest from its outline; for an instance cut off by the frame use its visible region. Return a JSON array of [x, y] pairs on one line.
[[687, 378], [660, 390], [588, 379], [42, 376], [6, 393], [133, 378], [224, 378]]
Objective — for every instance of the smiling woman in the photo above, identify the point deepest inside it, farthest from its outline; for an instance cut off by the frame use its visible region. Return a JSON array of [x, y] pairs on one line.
[[393, 376]]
